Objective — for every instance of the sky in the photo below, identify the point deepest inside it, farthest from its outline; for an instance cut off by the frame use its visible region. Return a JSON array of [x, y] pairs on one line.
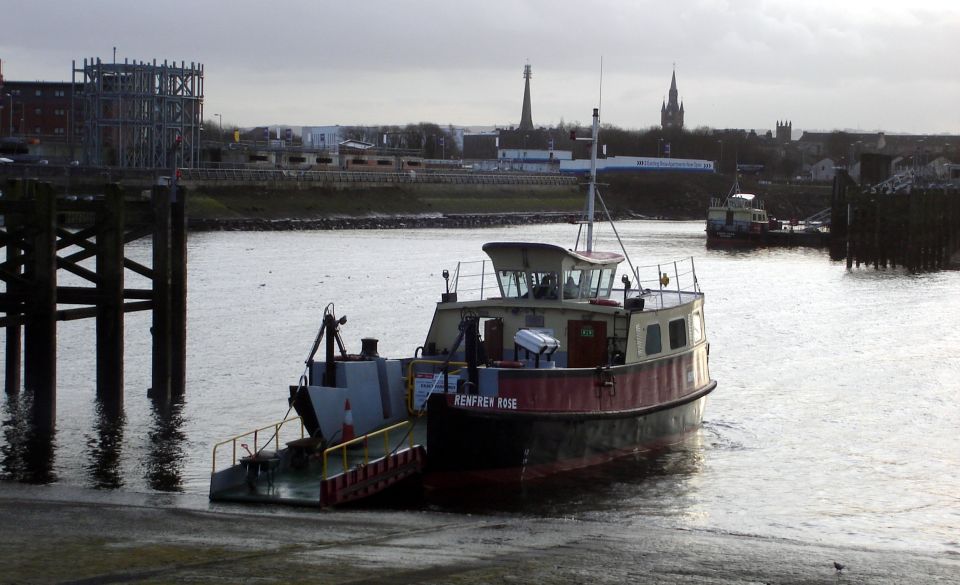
[[822, 64]]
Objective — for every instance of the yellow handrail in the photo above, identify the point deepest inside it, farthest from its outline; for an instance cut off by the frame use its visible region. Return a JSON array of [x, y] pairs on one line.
[[233, 440], [411, 379], [366, 445]]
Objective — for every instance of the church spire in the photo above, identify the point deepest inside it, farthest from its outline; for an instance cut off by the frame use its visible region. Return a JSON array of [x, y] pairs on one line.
[[671, 113], [526, 118], [673, 89]]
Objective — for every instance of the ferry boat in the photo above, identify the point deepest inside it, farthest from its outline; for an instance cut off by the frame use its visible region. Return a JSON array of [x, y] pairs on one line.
[[546, 367], [739, 219]]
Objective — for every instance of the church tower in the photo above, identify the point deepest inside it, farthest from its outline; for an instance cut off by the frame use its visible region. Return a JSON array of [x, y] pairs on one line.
[[671, 112], [526, 118], [784, 131]]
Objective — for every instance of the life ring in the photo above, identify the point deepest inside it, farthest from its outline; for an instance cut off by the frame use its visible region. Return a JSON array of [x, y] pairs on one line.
[[605, 302]]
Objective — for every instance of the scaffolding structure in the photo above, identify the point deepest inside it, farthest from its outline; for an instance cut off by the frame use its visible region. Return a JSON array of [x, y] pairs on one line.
[[140, 115]]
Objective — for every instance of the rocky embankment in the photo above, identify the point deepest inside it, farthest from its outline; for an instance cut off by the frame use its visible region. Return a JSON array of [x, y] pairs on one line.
[[306, 205], [379, 222]]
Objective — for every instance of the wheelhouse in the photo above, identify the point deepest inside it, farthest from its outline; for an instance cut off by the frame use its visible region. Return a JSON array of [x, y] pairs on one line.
[[548, 272]]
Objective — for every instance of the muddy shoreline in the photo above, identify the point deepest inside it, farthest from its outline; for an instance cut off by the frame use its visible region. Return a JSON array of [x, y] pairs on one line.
[[56, 534]]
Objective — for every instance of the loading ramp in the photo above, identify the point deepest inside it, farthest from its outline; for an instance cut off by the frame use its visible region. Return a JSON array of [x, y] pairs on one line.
[[304, 472]]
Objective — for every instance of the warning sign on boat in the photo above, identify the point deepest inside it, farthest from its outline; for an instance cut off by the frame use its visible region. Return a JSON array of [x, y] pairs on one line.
[[426, 384]]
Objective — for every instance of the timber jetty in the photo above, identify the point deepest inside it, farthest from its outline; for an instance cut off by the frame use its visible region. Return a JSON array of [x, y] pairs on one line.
[[917, 229], [38, 245]]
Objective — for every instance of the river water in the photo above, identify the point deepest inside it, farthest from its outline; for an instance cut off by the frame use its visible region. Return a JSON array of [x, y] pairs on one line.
[[835, 419]]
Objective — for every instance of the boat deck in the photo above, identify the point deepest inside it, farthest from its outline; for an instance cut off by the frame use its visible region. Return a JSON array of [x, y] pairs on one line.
[[298, 475]]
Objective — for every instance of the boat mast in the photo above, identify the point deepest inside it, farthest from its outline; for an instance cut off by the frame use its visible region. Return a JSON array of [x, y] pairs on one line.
[[592, 189]]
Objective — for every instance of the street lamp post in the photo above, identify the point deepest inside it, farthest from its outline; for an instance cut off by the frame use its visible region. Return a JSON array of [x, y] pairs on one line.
[[220, 119]]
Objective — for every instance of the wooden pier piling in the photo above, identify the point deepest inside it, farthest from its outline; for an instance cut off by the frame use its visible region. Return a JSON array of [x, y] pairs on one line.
[[178, 293], [40, 329], [13, 269], [160, 203], [110, 230], [33, 233]]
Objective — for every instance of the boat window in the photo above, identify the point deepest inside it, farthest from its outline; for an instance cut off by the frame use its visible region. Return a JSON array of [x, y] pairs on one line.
[[544, 285], [594, 283], [678, 333], [606, 283], [697, 324], [651, 343], [600, 283], [587, 284], [513, 283], [571, 284]]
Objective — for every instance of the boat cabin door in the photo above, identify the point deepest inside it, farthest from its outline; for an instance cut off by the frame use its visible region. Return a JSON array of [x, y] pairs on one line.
[[493, 338], [586, 344], [729, 217]]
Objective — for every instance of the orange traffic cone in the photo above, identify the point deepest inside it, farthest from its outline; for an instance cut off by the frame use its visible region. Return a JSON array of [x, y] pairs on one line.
[[347, 433]]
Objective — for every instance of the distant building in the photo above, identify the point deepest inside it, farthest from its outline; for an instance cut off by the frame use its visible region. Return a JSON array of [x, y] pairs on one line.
[[823, 170], [816, 143], [480, 146], [671, 112], [322, 137], [784, 131], [938, 168], [39, 110]]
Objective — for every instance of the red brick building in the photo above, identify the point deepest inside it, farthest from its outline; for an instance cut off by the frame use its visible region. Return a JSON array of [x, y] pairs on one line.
[[39, 110]]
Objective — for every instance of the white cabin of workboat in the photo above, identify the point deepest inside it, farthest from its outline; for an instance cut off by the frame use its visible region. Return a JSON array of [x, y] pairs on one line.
[[549, 272]]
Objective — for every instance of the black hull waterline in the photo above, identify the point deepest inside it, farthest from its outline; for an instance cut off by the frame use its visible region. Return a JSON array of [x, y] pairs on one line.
[[470, 445]]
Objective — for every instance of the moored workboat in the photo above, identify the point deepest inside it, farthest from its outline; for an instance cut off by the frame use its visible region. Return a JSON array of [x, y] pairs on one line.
[[738, 219], [546, 367]]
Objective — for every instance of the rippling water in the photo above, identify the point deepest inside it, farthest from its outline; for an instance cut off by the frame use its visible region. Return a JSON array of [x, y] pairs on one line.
[[835, 419]]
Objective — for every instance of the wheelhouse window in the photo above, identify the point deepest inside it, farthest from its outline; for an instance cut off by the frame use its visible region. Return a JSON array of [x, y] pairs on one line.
[[601, 282], [595, 279], [587, 284], [513, 284], [571, 284], [696, 323], [678, 333], [544, 285]]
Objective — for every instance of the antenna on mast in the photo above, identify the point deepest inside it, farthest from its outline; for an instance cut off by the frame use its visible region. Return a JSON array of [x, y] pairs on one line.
[[600, 104]]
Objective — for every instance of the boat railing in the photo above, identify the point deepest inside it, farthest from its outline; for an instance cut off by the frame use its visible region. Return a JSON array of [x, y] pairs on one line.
[[474, 280], [256, 435], [666, 284], [365, 441]]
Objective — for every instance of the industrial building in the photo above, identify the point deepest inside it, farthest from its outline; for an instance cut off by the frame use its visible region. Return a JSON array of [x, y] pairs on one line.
[[134, 115]]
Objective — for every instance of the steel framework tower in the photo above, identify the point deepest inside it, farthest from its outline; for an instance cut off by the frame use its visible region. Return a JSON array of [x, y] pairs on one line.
[[134, 112]]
